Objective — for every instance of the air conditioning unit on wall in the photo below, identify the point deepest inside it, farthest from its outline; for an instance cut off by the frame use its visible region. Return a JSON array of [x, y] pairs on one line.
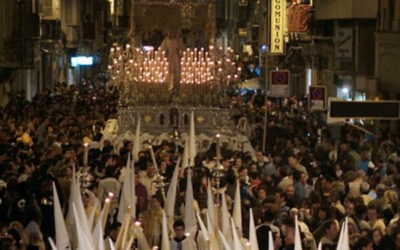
[[50, 9]]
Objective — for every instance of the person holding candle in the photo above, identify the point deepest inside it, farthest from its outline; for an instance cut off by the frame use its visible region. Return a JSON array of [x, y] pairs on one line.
[[112, 235], [89, 207], [149, 179], [110, 185]]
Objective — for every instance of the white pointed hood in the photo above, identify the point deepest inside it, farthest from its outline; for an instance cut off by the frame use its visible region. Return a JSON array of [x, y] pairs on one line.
[[62, 238], [252, 232], [237, 243], [210, 204], [192, 141], [343, 243], [98, 233], [76, 199], [171, 194], [226, 221], [136, 143], [128, 194], [185, 155], [85, 242], [190, 214], [237, 209], [203, 227], [224, 241], [297, 237], [271, 241], [165, 239]]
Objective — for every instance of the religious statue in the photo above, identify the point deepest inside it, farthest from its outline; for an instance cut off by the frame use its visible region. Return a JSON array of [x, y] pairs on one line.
[[173, 47], [110, 130], [111, 127]]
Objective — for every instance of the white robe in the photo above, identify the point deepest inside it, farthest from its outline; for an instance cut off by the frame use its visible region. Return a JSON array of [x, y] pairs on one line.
[[183, 245]]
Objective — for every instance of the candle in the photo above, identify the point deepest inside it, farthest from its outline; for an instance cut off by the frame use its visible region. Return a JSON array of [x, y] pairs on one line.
[[189, 241], [85, 154], [218, 150], [107, 203], [153, 158], [118, 242], [125, 233]]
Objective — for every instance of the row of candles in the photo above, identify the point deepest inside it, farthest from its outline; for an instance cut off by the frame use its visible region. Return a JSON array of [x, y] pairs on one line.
[[136, 65], [198, 66], [202, 67]]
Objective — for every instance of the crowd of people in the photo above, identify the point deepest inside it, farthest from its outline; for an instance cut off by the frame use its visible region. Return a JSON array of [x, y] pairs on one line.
[[319, 173]]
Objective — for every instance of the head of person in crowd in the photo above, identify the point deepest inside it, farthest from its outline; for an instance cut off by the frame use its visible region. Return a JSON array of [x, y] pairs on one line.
[[226, 162], [109, 172], [151, 170], [390, 196], [323, 213], [376, 237], [243, 175], [179, 229], [364, 243], [289, 233], [330, 231], [156, 202], [114, 230], [253, 168], [261, 158]]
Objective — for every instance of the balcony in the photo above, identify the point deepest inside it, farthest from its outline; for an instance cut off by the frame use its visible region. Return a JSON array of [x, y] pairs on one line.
[[51, 29]]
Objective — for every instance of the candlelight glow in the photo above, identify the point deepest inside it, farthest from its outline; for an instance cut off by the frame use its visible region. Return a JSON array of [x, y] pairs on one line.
[[196, 67], [134, 65], [144, 74]]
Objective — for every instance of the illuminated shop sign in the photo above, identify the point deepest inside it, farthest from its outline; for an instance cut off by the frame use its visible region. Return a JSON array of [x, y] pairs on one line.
[[277, 26], [81, 61]]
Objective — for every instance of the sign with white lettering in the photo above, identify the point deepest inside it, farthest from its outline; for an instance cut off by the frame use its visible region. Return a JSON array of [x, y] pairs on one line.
[[277, 26]]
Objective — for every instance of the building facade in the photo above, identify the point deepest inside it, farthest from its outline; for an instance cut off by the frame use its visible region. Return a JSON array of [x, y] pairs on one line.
[[346, 45]]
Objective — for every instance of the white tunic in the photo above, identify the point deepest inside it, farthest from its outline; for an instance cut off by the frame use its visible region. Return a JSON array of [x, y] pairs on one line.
[[181, 245]]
